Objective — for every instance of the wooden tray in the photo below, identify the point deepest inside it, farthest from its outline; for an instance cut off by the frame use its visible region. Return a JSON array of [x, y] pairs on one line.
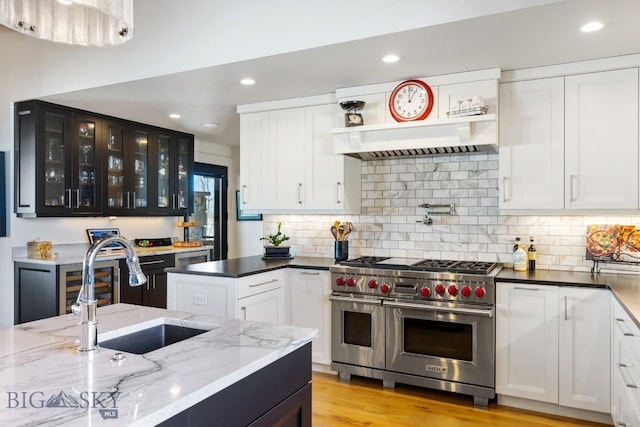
[[192, 244], [187, 223]]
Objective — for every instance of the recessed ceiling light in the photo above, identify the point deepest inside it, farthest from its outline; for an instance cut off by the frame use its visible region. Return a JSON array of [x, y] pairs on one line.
[[591, 26], [209, 125], [175, 116], [390, 58], [247, 81]]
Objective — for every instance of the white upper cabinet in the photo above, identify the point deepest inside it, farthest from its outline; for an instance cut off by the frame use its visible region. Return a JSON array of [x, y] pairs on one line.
[[257, 187], [532, 144], [570, 143], [287, 158], [601, 140]]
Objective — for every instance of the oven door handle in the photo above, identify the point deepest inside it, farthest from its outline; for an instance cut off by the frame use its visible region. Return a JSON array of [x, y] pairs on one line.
[[426, 307], [355, 300]]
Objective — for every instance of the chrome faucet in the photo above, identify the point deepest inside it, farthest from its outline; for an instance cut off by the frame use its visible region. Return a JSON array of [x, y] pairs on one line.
[[86, 303]]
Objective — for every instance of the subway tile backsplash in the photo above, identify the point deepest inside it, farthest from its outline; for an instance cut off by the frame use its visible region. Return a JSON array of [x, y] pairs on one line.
[[390, 223]]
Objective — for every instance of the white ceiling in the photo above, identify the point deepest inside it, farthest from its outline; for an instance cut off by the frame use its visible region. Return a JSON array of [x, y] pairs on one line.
[[542, 35]]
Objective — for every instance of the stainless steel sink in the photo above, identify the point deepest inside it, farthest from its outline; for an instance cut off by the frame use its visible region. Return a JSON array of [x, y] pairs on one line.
[[151, 338]]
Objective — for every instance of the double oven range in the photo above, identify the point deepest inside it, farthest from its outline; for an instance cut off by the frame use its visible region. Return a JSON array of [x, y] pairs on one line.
[[428, 323]]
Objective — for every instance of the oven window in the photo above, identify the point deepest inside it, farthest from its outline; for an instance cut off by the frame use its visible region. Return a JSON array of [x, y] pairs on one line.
[[439, 339], [357, 328]]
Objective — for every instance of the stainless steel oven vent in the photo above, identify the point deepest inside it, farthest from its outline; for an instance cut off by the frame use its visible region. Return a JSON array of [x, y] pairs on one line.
[[415, 152]]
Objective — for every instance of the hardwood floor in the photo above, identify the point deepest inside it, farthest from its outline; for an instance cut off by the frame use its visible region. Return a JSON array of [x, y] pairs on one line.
[[364, 402]]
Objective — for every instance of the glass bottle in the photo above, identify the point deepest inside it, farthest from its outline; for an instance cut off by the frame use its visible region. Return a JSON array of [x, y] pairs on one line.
[[531, 255], [519, 257]]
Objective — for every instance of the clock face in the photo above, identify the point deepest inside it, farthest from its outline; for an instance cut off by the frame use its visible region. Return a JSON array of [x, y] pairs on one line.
[[411, 100]]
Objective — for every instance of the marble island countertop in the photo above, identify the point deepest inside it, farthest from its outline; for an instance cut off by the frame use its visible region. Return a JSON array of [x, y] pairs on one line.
[[44, 381]]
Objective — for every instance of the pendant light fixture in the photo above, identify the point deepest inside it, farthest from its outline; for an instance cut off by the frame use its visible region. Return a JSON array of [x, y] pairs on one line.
[[77, 22]]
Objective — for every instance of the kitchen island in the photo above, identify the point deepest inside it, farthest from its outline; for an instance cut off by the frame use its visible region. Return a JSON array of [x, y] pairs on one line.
[[234, 374]]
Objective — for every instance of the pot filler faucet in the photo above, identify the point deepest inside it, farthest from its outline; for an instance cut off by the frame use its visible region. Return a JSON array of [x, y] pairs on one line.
[[86, 304]]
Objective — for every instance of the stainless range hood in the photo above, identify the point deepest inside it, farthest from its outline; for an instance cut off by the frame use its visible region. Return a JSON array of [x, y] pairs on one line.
[[417, 139]]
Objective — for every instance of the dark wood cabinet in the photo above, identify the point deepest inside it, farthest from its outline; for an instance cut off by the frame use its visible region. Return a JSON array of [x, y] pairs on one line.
[[277, 395], [75, 163], [154, 292]]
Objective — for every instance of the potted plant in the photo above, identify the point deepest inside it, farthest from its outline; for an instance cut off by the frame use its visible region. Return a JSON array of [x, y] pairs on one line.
[[274, 247]]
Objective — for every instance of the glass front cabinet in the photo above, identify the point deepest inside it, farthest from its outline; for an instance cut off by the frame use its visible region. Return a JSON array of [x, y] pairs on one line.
[[70, 162]]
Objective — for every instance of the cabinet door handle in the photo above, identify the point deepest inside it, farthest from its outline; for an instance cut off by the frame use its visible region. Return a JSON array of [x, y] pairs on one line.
[[243, 192], [505, 179], [626, 378], [308, 273], [299, 193], [624, 328], [77, 198], [244, 312], [133, 203], [572, 178], [126, 195], [263, 283], [338, 188], [160, 261], [67, 202], [154, 281], [565, 308], [525, 289]]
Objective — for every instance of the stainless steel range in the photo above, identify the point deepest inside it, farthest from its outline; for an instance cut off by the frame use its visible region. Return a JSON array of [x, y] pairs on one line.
[[426, 322]]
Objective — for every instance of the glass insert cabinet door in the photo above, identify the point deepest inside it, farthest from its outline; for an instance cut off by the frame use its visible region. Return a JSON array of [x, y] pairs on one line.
[[55, 194], [164, 162], [183, 172], [141, 168], [85, 195], [115, 166]]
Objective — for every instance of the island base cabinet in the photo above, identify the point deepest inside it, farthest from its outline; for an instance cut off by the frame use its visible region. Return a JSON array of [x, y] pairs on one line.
[[625, 368], [277, 395], [263, 307]]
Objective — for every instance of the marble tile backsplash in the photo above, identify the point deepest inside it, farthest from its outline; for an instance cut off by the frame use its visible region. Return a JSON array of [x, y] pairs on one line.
[[390, 223]]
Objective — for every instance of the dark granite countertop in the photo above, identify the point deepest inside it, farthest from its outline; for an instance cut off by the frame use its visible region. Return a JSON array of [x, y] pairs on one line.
[[624, 287], [246, 266]]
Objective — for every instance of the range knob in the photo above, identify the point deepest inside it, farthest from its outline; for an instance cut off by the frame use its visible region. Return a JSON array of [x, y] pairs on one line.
[[385, 289], [480, 292], [340, 281], [453, 290], [425, 292], [351, 281], [440, 289], [373, 284], [466, 291]]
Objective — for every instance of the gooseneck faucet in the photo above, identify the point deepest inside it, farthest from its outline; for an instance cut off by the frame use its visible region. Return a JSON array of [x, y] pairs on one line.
[[86, 303]]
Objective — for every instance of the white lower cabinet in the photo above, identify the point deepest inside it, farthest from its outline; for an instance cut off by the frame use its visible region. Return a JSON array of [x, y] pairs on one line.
[[625, 368], [553, 345], [257, 297], [310, 307]]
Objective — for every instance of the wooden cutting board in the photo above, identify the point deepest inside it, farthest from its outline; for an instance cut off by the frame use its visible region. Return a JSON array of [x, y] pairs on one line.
[[191, 244]]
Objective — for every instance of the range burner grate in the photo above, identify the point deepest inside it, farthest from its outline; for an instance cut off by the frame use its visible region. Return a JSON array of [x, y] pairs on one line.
[[364, 261], [452, 266]]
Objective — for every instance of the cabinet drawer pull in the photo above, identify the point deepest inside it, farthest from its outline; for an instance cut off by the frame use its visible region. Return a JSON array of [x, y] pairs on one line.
[[160, 261], [624, 328], [621, 424], [308, 273], [263, 283], [526, 289], [626, 378]]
